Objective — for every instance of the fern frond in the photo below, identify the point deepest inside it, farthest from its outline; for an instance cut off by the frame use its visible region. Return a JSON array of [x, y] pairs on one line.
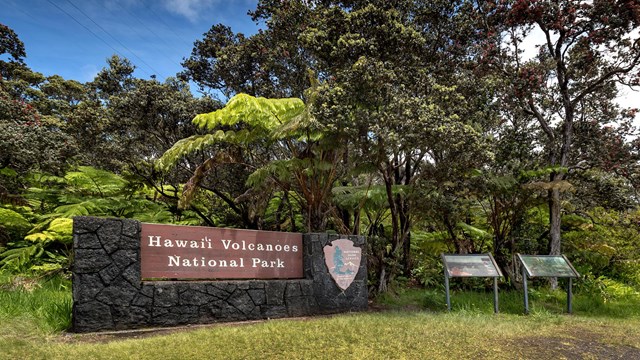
[[80, 209], [473, 231], [279, 170], [94, 207], [354, 196], [188, 146], [13, 220], [59, 229], [95, 181], [431, 243], [257, 112]]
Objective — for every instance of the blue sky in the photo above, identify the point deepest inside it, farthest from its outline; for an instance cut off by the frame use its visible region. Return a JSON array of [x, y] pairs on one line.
[[73, 38]]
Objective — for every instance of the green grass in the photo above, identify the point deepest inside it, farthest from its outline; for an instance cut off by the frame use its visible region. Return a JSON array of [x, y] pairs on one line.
[[541, 301], [397, 335], [414, 325], [34, 307]]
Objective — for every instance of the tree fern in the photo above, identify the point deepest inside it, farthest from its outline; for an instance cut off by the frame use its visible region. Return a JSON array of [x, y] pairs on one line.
[[188, 146], [374, 195], [258, 117]]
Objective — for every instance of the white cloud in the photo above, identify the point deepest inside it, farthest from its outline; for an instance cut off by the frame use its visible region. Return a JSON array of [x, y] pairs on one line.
[[191, 9]]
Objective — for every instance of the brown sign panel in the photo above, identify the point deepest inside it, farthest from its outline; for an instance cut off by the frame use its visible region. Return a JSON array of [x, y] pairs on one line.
[[343, 260], [195, 252]]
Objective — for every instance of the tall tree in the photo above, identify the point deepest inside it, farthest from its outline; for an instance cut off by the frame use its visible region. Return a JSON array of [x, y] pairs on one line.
[[400, 93], [11, 48], [589, 48], [386, 85]]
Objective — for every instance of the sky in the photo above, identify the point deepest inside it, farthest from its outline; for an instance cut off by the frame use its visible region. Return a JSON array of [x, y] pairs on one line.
[[74, 38]]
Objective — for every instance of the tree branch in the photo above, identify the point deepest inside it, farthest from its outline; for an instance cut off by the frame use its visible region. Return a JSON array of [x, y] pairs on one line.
[[533, 110], [605, 77]]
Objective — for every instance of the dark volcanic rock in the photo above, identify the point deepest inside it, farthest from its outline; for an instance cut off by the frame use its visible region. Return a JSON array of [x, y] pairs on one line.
[[108, 292]]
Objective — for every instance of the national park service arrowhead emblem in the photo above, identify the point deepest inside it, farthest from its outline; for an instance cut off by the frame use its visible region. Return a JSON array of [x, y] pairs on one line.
[[343, 261]]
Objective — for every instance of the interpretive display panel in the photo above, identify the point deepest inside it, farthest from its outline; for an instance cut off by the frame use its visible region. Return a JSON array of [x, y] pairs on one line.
[[555, 266], [475, 265], [470, 265], [548, 266]]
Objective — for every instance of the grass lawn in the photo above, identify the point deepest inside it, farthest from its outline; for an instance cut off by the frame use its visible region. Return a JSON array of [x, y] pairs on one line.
[[410, 325]]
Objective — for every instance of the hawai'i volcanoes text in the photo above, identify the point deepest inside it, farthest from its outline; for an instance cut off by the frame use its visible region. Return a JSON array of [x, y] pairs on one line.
[[190, 252]]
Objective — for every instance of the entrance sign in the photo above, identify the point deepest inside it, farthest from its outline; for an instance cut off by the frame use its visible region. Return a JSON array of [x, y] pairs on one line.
[[109, 292], [343, 261], [471, 265], [196, 252], [547, 266]]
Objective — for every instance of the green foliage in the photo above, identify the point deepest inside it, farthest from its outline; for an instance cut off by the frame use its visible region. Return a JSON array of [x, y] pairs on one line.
[[13, 222], [59, 229], [10, 44], [605, 243], [369, 197], [40, 256], [85, 191], [426, 248], [402, 108], [606, 290], [271, 137], [91, 191], [191, 145], [43, 251]]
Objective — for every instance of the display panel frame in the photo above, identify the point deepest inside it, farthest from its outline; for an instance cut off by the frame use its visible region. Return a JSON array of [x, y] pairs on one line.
[[548, 266], [470, 265]]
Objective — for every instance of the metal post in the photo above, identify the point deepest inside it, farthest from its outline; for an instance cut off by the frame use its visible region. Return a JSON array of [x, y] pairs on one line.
[[526, 292], [446, 286], [569, 296], [495, 295]]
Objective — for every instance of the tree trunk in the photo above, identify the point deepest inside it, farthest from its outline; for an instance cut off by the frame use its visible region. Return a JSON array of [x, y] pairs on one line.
[[356, 222], [406, 255], [554, 222], [382, 280], [393, 208], [555, 218]]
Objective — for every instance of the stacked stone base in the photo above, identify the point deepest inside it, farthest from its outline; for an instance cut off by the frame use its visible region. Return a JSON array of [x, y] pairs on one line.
[[109, 294]]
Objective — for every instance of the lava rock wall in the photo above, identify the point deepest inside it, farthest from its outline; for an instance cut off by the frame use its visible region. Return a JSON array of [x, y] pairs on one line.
[[109, 294]]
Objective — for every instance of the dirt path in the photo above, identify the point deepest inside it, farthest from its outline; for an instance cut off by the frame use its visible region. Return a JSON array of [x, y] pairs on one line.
[[577, 344]]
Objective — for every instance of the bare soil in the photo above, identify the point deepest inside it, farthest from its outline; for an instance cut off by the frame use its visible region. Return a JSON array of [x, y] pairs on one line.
[[576, 344]]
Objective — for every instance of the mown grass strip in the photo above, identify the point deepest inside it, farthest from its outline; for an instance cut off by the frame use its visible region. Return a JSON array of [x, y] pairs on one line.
[[384, 335], [414, 324]]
